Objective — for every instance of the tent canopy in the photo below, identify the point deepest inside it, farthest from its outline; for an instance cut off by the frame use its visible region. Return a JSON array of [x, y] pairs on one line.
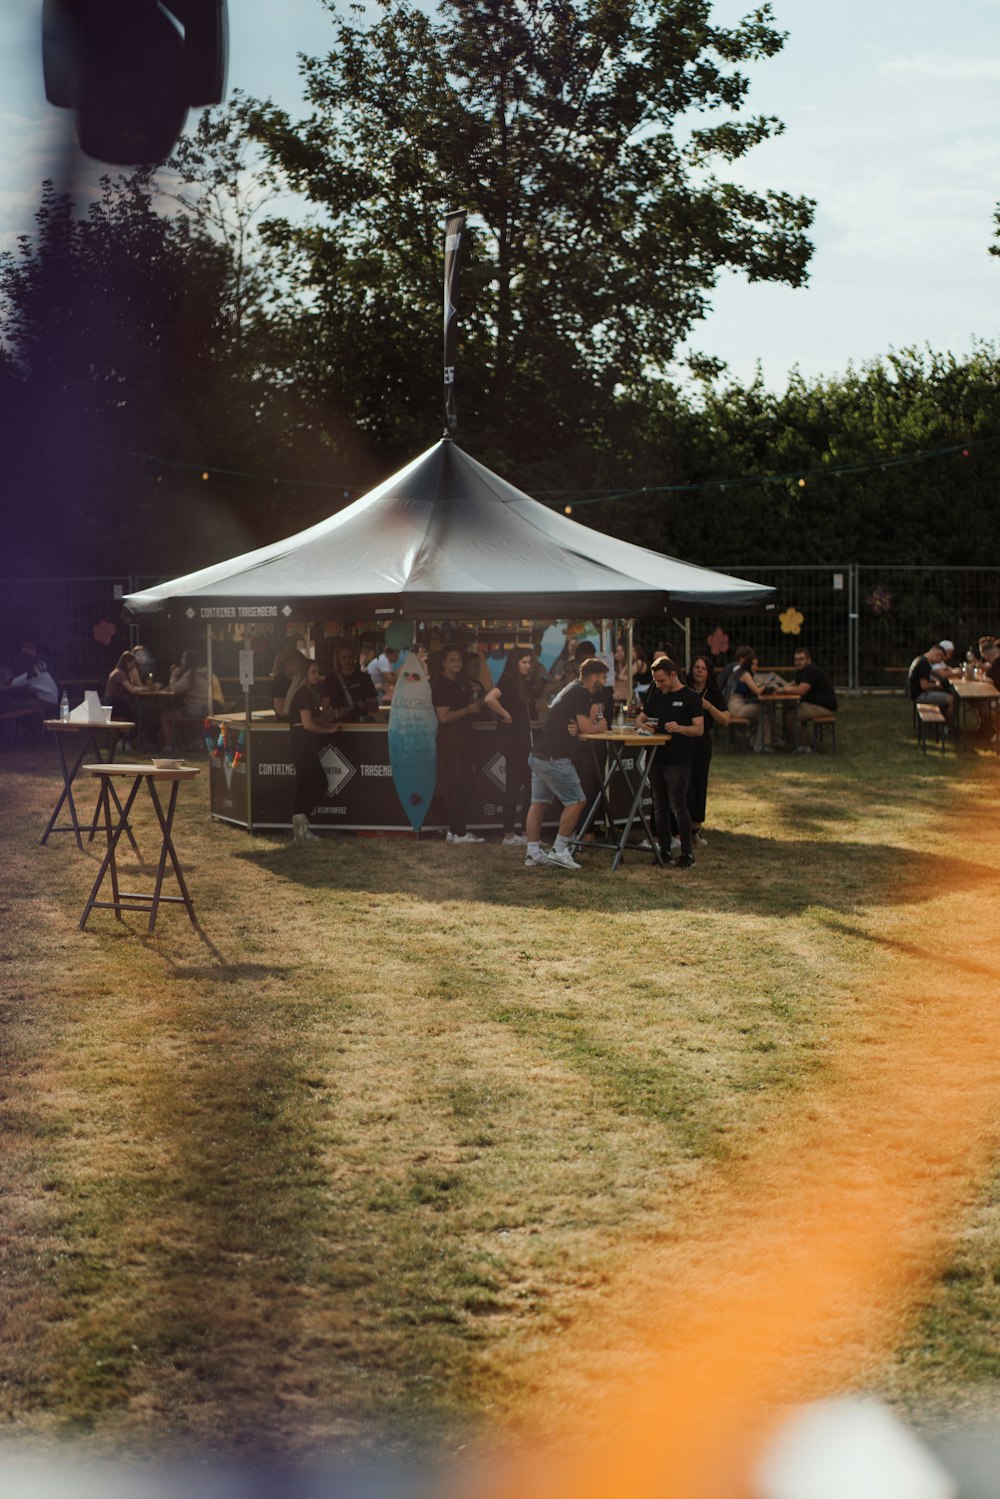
[[447, 538]]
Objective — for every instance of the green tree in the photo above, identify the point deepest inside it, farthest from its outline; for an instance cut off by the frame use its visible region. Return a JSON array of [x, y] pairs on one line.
[[581, 138]]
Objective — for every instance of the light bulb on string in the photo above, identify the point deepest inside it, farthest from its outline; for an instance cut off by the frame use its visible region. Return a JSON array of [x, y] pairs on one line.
[[205, 474], [567, 510], [802, 483]]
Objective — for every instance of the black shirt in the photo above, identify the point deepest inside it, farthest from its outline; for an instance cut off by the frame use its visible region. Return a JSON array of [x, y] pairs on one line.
[[555, 740], [521, 710], [354, 693], [821, 693], [683, 707], [920, 667], [714, 696], [455, 695], [306, 697], [279, 690]]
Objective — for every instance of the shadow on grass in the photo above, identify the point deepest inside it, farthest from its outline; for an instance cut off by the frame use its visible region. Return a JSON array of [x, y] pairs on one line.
[[741, 872]]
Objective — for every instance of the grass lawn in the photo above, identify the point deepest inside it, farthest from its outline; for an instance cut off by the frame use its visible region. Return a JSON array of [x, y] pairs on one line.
[[403, 1128]]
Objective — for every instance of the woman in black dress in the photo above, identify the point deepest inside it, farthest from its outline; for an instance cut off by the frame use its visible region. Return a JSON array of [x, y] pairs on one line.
[[702, 678], [513, 701], [307, 733]]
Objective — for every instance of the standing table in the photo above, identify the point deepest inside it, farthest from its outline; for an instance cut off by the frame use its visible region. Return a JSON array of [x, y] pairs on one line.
[[135, 900], [617, 741], [99, 739]]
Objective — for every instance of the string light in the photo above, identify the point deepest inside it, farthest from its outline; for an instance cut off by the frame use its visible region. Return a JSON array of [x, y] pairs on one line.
[[586, 496]]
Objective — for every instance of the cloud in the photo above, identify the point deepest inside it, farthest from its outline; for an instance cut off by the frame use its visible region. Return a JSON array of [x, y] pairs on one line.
[[937, 65]]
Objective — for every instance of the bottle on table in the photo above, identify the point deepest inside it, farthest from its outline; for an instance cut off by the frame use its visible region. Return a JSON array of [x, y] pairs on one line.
[[64, 708]]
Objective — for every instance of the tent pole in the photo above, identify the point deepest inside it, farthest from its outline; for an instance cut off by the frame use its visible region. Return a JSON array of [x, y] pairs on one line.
[[628, 662], [208, 659], [687, 642]]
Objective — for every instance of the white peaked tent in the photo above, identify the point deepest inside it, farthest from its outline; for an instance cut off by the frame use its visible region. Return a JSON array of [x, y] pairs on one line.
[[446, 538]]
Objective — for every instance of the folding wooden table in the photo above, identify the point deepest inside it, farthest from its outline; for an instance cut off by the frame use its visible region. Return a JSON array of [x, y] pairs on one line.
[[617, 741], [99, 739], [137, 900]]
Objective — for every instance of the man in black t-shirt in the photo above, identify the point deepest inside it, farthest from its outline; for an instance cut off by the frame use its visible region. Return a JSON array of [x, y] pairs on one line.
[[349, 691], [815, 693], [553, 772], [923, 685], [679, 711], [457, 705]]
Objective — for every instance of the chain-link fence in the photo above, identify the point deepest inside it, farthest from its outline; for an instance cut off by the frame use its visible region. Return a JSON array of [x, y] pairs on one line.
[[863, 624]]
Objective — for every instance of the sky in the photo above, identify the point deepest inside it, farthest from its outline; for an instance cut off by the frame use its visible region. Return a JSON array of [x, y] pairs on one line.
[[892, 114]]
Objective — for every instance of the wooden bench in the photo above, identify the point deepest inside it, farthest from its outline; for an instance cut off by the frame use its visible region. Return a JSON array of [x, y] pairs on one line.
[[739, 731], [818, 725], [930, 720], [14, 721]]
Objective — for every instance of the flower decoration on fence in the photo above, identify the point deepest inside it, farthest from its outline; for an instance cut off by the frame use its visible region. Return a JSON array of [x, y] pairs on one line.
[[791, 621], [105, 631], [718, 641], [879, 600]]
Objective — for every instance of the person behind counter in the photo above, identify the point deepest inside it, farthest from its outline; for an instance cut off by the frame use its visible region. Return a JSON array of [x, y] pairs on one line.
[[513, 701], [349, 691], [289, 666], [457, 703], [308, 731]]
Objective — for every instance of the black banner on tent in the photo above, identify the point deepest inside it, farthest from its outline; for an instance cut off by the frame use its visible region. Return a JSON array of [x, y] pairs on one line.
[[453, 232]]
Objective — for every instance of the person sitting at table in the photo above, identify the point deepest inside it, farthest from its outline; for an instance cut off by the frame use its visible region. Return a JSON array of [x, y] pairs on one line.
[[33, 683], [348, 691], [679, 711], [815, 693], [946, 667], [923, 687], [123, 684], [701, 679], [290, 666], [572, 714], [513, 702], [744, 699], [309, 727], [190, 686], [456, 703]]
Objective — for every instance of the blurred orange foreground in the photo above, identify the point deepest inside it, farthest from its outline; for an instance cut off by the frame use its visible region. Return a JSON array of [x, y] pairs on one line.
[[802, 1273]]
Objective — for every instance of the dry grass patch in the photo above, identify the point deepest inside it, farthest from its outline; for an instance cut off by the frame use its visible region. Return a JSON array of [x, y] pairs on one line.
[[343, 1165]]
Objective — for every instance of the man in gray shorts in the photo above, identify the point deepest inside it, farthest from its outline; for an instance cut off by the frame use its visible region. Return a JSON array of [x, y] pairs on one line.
[[553, 773]]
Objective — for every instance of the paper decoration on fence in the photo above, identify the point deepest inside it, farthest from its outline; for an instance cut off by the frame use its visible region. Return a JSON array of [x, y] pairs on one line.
[[105, 631], [879, 600], [791, 621], [718, 641]]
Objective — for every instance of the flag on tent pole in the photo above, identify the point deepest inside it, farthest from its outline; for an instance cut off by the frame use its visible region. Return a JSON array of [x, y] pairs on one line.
[[454, 230]]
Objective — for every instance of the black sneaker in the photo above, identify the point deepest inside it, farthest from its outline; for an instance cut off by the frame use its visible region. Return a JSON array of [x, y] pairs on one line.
[[663, 859], [685, 861]]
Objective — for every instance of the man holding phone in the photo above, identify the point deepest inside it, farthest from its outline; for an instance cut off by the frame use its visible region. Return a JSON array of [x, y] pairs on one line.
[[678, 711]]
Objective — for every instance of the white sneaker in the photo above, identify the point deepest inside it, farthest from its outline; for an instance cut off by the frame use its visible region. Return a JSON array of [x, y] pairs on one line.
[[562, 858], [536, 861], [700, 838], [645, 844], [464, 838], [514, 840], [675, 844]]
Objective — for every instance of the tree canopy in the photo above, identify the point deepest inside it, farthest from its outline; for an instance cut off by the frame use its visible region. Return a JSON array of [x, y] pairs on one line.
[[585, 139]]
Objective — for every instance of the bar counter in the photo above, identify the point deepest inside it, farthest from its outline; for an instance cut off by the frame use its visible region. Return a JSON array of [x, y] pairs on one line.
[[252, 779]]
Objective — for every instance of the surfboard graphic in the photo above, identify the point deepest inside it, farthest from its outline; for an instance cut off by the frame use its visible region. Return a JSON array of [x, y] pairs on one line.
[[413, 740]]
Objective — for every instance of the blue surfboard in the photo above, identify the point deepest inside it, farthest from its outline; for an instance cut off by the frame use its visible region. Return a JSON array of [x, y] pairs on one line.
[[413, 740]]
